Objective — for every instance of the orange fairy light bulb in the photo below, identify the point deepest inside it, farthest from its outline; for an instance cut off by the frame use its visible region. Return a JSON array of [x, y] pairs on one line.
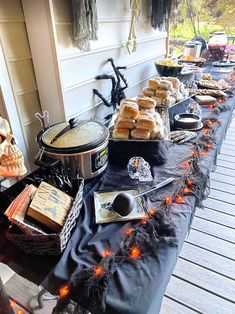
[[208, 145], [152, 212], [209, 122], [98, 270], [129, 231], [186, 164], [179, 199], [193, 152], [189, 182], [106, 253], [134, 252], [186, 190], [168, 200], [20, 311], [205, 131], [211, 106], [12, 303], [203, 154], [143, 221], [64, 291]]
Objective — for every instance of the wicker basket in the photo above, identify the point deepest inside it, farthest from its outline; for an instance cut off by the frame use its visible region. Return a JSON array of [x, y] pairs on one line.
[[51, 244]]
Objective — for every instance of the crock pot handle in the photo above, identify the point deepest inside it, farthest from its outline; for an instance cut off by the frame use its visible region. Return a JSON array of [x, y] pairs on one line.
[[38, 160]]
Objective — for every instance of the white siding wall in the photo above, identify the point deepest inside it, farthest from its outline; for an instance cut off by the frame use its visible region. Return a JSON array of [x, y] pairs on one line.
[[78, 69], [17, 54]]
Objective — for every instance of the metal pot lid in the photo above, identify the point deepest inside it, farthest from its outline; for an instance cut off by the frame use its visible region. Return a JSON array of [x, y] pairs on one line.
[[85, 135]]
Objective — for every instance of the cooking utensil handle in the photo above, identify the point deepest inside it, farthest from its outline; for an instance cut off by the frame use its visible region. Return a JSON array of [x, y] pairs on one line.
[[38, 160], [156, 187]]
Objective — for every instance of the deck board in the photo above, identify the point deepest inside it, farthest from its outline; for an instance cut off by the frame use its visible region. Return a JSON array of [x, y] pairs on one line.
[[222, 186], [220, 206], [204, 277], [212, 228], [216, 216], [222, 178], [198, 299], [209, 260]]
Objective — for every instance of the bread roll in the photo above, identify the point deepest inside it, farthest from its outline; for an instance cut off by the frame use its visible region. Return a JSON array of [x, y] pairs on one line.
[[147, 112], [125, 123], [153, 84], [140, 134], [146, 123], [129, 110], [164, 84], [148, 92], [168, 101], [175, 81], [128, 101], [157, 133], [162, 93], [146, 102], [120, 133]]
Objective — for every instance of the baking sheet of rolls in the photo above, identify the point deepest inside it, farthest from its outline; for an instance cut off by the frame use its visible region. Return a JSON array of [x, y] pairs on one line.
[[138, 120]]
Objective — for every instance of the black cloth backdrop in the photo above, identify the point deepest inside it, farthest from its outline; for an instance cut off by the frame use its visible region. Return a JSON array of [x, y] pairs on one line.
[[136, 287]]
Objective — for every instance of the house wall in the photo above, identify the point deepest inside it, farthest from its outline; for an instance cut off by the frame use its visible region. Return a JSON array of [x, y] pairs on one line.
[[78, 69], [15, 45]]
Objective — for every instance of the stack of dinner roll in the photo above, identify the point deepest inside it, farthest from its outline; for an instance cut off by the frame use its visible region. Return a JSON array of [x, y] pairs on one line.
[[165, 91], [137, 119]]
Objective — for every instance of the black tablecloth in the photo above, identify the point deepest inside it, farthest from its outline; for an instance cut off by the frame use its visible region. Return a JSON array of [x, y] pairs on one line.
[[135, 288]]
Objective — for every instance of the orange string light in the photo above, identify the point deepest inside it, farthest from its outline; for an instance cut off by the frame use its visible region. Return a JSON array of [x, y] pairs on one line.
[[186, 190], [205, 131], [12, 303], [179, 199], [193, 152], [106, 253], [203, 154], [209, 122], [208, 145], [129, 231], [211, 106], [98, 270], [152, 212], [189, 182], [134, 253], [64, 291], [20, 311], [168, 200], [186, 164]]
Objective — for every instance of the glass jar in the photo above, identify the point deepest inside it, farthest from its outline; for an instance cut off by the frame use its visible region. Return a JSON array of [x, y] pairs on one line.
[[217, 44]]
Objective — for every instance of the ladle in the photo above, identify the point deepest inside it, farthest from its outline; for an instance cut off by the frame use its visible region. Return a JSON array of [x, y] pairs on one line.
[[123, 203]]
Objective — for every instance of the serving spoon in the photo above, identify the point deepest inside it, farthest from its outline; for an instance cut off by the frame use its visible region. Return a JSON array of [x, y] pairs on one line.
[[124, 202]]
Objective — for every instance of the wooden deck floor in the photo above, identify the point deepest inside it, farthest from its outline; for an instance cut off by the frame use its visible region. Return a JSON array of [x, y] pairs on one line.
[[204, 277]]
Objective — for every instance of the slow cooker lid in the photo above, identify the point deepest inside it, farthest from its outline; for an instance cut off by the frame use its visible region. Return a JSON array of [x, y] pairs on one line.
[[85, 134]]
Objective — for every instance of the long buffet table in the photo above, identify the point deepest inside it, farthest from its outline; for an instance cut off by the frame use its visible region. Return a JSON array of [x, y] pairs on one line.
[[133, 286]]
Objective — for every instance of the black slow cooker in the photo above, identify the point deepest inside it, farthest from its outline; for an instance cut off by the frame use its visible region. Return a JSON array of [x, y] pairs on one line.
[[81, 146]]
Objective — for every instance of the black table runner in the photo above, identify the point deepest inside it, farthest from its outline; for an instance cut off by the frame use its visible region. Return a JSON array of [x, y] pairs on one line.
[[134, 287]]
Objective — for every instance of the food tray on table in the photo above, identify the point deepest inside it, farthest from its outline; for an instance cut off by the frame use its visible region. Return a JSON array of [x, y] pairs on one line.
[[103, 198], [48, 244], [154, 151]]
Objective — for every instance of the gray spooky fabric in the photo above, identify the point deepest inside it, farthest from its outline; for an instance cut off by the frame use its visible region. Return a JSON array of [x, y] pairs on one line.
[[85, 25]]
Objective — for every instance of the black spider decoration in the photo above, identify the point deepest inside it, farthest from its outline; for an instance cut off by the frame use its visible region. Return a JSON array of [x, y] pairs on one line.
[[117, 91]]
